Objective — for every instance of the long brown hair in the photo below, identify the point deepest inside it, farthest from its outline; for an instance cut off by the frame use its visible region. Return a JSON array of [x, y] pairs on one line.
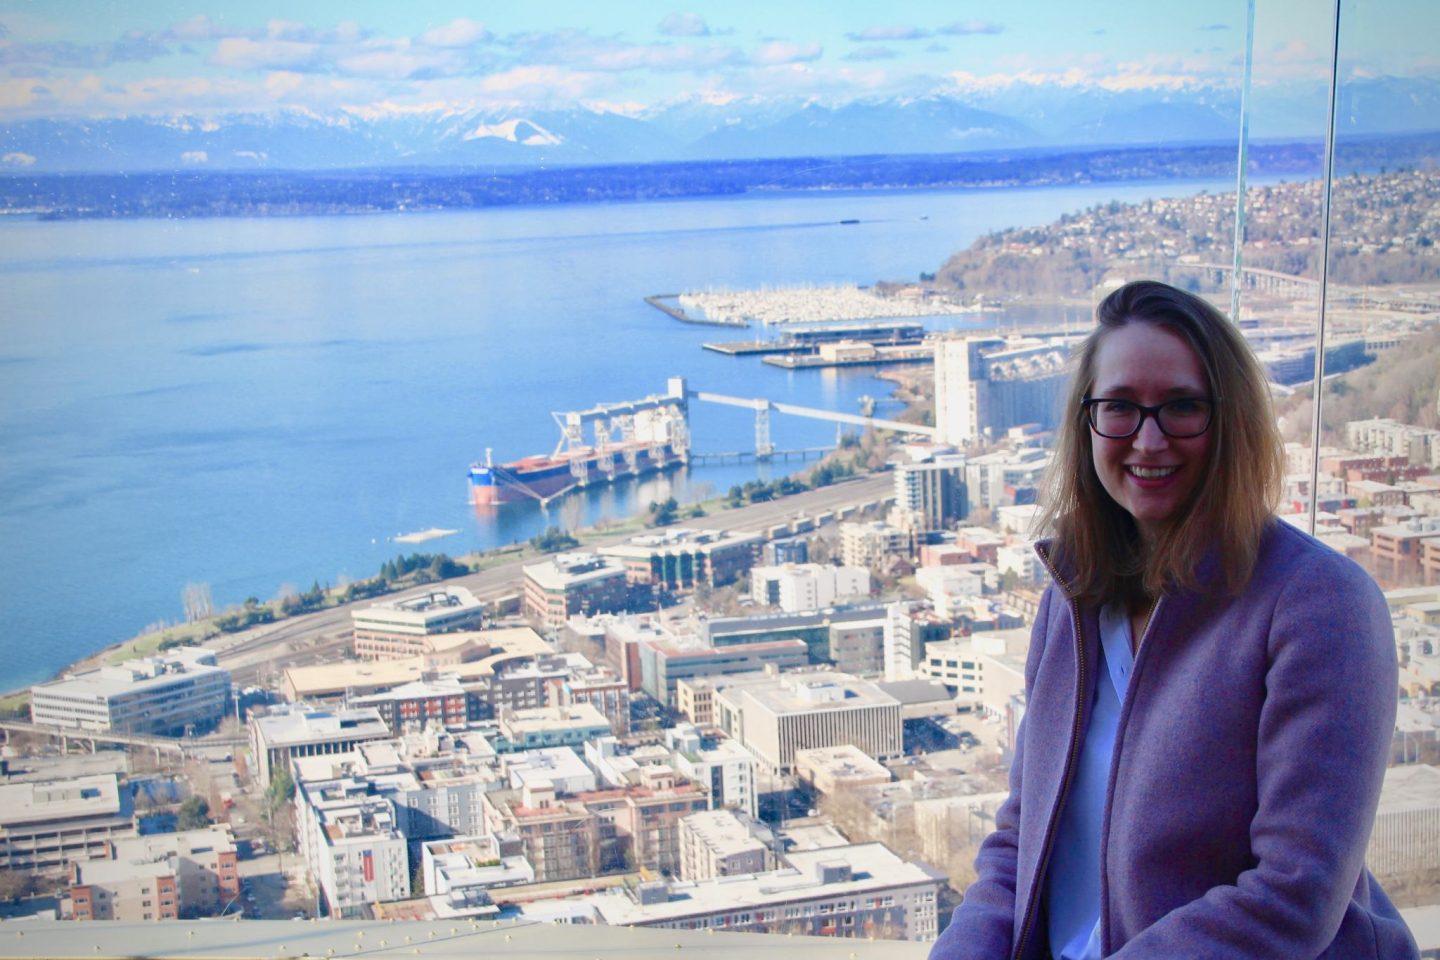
[[1238, 490]]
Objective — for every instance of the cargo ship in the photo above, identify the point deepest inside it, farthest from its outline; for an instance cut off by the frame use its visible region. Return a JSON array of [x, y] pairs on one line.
[[541, 477], [631, 438]]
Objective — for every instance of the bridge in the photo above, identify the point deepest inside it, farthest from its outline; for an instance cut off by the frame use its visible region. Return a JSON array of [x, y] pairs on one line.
[[765, 449], [90, 738]]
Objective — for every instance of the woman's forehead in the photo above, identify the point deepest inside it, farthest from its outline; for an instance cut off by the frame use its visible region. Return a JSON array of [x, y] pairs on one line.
[[1144, 357]]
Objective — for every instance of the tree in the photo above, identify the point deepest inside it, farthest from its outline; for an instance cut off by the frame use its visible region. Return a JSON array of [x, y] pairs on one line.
[[663, 514], [197, 601], [280, 792], [552, 540], [194, 814]]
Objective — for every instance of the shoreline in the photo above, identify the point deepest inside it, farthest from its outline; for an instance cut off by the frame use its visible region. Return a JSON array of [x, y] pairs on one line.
[[905, 389]]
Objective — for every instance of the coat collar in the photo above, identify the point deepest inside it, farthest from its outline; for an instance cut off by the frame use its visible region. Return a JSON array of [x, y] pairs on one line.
[[1062, 568]]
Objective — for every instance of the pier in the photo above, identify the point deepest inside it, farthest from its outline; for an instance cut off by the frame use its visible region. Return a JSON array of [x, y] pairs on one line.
[[740, 456], [675, 311], [877, 357]]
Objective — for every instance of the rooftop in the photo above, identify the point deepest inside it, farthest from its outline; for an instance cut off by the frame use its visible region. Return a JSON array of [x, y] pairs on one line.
[[430, 940], [134, 676], [307, 726], [25, 803]]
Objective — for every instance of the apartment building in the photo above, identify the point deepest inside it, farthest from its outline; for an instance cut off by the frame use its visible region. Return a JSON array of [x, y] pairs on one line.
[[679, 559], [193, 873], [352, 844], [573, 583], [801, 588], [718, 843]]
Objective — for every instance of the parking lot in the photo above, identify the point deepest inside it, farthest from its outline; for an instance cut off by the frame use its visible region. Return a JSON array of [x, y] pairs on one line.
[[273, 887]]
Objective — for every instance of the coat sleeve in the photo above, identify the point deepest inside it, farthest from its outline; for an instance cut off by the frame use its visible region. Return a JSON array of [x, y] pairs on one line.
[[1323, 743], [983, 926]]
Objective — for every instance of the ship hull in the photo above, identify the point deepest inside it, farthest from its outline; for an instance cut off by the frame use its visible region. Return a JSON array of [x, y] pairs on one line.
[[539, 478]]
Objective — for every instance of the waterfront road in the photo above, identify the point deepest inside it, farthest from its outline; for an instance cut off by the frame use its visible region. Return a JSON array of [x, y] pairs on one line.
[[257, 656]]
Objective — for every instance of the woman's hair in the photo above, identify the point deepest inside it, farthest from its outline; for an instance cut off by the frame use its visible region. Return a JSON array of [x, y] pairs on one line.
[[1237, 491]]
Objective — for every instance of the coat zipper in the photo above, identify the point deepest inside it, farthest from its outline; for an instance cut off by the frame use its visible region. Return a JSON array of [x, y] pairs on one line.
[[1068, 774]]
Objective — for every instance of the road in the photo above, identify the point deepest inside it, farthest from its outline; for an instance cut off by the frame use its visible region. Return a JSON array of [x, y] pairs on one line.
[[255, 656]]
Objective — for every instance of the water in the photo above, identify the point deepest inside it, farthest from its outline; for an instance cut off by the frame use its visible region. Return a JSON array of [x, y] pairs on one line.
[[265, 402]]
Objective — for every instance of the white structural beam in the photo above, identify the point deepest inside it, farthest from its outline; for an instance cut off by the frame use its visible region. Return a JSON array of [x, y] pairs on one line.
[[811, 412]]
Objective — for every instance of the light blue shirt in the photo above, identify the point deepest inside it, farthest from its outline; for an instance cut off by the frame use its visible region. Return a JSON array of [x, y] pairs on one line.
[[1072, 886]]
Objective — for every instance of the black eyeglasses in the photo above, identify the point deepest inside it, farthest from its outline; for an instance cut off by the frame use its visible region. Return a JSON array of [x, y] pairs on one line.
[[1120, 419]]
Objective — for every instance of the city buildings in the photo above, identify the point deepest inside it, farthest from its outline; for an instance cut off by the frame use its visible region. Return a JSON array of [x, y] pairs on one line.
[[573, 583], [725, 768], [930, 492], [398, 628], [800, 588], [164, 876], [775, 715], [550, 727], [986, 385], [172, 693], [857, 891], [718, 843], [302, 732], [352, 845], [679, 559], [51, 824]]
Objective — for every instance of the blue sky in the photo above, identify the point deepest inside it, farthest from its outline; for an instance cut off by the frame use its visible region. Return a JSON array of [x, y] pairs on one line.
[[81, 57]]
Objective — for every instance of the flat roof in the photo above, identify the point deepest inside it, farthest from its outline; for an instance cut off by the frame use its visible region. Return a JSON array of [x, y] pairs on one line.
[[808, 692], [506, 644], [443, 939], [308, 726], [568, 570], [134, 676], [679, 540], [38, 802], [872, 868], [119, 871]]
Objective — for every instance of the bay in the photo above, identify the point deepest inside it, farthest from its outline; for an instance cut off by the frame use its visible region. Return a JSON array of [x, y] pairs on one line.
[[254, 403]]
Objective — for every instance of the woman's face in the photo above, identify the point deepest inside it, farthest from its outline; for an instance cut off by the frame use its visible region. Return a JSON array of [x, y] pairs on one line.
[[1149, 474]]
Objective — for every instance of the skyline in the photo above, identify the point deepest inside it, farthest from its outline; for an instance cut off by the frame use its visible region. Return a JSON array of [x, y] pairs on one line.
[[373, 61]]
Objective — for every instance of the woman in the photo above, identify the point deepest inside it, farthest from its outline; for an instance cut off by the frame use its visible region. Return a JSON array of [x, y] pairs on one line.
[[1210, 693]]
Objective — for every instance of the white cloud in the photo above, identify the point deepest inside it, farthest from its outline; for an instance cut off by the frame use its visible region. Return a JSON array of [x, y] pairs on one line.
[[537, 84], [969, 27], [244, 54], [18, 159], [684, 25], [779, 52], [872, 53], [194, 157], [460, 32], [889, 33], [397, 61]]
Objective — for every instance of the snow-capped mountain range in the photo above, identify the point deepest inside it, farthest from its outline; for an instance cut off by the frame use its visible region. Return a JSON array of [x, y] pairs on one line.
[[694, 130]]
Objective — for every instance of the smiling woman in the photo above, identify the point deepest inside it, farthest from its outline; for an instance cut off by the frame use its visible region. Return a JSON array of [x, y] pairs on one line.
[[1186, 690]]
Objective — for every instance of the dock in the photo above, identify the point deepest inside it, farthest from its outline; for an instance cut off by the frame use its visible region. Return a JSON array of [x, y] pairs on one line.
[[750, 348], [668, 304], [881, 356]]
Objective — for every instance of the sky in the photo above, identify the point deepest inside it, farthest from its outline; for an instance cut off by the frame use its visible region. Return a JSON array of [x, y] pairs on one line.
[[78, 58]]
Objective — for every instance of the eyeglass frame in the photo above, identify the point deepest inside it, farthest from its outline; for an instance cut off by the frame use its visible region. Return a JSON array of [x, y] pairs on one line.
[[1088, 405]]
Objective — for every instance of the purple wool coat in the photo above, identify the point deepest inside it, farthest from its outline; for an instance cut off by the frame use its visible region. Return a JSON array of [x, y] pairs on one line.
[[1248, 762]]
